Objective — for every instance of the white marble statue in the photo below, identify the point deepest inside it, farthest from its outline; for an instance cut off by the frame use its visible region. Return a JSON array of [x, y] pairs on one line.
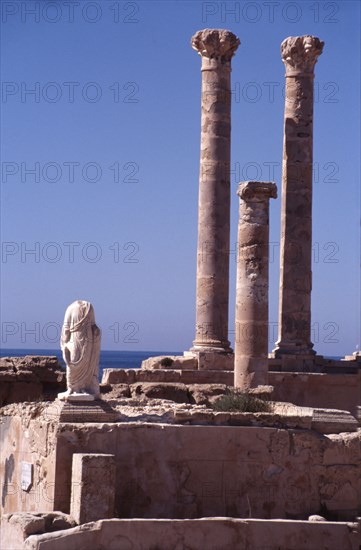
[[80, 345]]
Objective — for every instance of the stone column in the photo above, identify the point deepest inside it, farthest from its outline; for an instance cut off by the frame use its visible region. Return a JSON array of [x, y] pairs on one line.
[[299, 55], [251, 342], [216, 47]]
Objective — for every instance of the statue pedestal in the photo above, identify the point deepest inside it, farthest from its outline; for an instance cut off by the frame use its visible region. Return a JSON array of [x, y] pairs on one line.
[[73, 397], [72, 411]]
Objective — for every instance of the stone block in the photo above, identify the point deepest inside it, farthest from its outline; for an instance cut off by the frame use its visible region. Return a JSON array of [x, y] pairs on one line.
[[119, 376], [92, 411], [208, 377], [159, 375], [16, 528], [173, 362], [212, 533], [173, 392], [208, 360], [92, 487], [329, 421]]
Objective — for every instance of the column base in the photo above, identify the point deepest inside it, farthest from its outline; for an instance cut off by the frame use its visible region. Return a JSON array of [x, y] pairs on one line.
[[293, 349], [295, 362], [212, 358]]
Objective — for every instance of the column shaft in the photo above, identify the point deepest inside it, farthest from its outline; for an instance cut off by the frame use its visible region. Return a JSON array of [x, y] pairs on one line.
[[251, 327], [294, 335], [216, 48]]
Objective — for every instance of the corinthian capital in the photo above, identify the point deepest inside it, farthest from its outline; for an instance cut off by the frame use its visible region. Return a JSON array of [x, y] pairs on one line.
[[300, 53], [218, 44]]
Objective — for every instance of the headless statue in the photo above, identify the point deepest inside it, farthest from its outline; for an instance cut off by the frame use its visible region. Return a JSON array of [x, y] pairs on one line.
[[80, 345]]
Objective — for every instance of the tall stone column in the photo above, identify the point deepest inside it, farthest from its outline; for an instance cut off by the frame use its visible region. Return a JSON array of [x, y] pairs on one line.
[[251, 342], [299, 55], [216, 47]]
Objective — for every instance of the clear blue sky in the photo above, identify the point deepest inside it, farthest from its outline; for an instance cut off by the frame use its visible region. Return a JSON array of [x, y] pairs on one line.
[[111, 132]]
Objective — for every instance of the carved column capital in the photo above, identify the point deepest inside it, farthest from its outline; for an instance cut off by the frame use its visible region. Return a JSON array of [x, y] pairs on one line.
[[218, 45], [257, 191], [300, 53]]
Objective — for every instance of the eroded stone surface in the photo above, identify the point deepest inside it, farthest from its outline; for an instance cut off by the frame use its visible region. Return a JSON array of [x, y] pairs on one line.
[[299, 55], [183, 460], [173, 362], [29, 378], [210, 533], [251, 323], [16, 528], [92, 487], [216, 48]]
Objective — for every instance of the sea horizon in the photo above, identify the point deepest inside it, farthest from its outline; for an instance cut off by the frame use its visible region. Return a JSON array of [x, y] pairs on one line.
[[109, 359]]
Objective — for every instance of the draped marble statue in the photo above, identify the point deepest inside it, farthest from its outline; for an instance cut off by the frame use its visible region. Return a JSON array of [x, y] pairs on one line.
[[80, 345]]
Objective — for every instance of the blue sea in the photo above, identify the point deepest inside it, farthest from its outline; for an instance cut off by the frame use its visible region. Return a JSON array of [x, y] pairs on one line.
[[108, 359]]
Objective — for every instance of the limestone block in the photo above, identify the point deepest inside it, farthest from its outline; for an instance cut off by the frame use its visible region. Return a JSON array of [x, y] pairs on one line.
[[185, 376], [170, 362], [160, 375], [172, 392], [208, 377], [16, 528], [211, 533], [93, 411], [119, 376], [208, 360], [331, 421], [205, 394], [28, 378], [93, 487]]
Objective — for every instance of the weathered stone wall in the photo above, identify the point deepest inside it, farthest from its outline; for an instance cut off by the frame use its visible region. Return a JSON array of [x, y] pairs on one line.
[[334, 391], [186, 471], [25, 439], [212, 534], [166, 471], [16, 528], [30, 378]]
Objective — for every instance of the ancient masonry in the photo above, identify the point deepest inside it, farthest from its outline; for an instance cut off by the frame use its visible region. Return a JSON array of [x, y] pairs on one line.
[[192, 476], [251, 341], [299, 55], [216, 47]]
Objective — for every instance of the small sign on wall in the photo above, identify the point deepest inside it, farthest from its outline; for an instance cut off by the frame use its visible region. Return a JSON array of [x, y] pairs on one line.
[[26, 475]]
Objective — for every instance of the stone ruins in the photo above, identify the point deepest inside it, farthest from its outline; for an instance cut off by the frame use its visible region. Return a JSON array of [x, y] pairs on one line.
[[165, 456]]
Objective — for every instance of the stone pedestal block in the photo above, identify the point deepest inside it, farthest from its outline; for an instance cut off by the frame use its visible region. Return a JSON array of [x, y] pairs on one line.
[[212, 360], [92, 487]]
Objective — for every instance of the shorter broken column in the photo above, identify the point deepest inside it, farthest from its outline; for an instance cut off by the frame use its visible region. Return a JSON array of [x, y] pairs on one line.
[[92, 487], [251, 340]]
